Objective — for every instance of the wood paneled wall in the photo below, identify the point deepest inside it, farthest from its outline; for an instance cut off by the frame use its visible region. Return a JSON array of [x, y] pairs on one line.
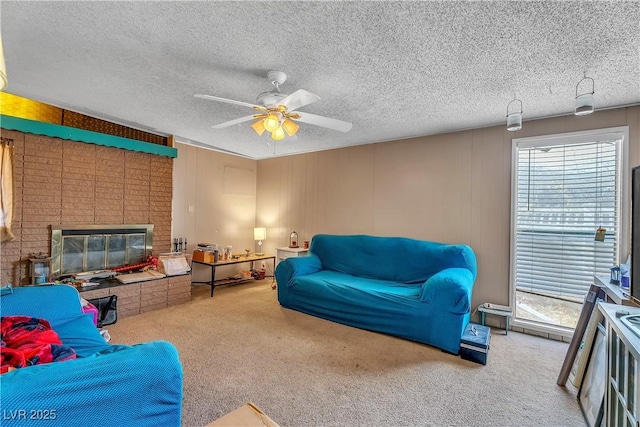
[[214, 201], [453, 188]]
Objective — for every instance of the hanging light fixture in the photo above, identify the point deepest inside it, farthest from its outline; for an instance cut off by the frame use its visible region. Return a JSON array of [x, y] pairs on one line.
[[585, 101], [514, 119]]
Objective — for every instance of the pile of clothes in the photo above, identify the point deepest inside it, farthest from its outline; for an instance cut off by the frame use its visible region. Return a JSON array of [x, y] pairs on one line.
[[27, 341]]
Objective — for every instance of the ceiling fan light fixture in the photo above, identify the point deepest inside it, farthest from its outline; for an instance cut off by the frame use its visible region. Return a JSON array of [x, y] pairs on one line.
[[272, 122], [290, 127], [278, 134], [276, 112], [258, 126]]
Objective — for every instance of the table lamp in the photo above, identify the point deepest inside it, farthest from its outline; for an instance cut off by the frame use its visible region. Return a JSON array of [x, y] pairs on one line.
[[259, 234]]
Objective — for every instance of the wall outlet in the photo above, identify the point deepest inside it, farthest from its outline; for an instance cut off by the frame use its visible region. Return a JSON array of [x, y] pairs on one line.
[[263, 265]]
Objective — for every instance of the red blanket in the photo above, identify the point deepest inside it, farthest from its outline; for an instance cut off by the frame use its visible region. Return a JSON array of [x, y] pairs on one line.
[[26, 341]]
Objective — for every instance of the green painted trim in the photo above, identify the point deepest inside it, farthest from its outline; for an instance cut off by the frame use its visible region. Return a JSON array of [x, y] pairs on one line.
[[81, 135]]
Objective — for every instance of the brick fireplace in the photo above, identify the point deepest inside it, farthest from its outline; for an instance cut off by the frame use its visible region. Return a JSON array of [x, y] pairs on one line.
[[59, 182]]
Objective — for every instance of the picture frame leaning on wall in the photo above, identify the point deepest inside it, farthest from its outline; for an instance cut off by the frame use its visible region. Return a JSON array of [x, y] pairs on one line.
[[595, 293], [592, 390], [584, 351]]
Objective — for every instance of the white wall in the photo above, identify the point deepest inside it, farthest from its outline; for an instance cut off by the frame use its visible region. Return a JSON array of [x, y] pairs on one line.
[[214, 201]]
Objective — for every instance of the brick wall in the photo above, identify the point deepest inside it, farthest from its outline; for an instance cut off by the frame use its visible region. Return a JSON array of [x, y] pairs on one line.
[[61, 182]]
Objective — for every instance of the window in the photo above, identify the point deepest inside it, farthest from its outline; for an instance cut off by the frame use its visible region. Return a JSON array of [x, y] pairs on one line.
[[564, 188]]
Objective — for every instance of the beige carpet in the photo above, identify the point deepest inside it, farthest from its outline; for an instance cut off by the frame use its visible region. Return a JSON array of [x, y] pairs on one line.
[[241, 346]]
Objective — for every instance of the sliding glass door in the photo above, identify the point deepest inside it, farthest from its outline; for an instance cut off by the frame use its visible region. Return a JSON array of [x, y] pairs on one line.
[[565, 188]]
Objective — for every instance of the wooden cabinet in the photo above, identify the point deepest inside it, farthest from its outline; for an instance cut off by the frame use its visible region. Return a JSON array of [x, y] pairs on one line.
[[136, 298]]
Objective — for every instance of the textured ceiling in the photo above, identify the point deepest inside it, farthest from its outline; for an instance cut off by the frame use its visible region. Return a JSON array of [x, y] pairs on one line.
[[394, 69]]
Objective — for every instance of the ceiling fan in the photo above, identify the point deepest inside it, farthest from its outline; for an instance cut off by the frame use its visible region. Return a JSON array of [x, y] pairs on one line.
[[277, 112]]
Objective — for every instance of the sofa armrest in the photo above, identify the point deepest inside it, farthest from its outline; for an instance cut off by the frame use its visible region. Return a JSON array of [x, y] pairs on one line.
[[450, 289], [291, 268], [49, 302], [137, 385]]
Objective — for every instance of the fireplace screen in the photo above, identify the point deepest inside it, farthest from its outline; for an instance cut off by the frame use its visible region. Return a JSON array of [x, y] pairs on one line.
[[98, 247]]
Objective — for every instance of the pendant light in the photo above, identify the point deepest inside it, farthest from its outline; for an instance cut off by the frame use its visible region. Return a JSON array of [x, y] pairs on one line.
[[585, 101], [514, 119]]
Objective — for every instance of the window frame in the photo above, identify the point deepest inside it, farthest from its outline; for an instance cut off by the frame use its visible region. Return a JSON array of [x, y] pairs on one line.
[[624, 214]]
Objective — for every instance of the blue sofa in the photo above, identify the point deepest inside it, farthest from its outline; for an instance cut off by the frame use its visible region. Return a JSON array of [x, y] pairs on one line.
[[409, 288], [107, 385]]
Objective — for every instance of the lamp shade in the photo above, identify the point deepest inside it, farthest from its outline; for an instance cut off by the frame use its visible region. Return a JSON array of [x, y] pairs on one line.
[[278, 134], [272, 122], [290, 127], [259, 233], [258, 127]]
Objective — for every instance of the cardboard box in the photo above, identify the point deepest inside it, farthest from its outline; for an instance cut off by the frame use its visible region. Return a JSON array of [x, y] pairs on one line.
[[474, 344], [203, 256], [248, 415]]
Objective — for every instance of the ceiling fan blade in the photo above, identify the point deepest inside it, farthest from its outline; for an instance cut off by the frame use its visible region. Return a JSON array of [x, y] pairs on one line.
[[299, 99], [228, 101], [325, 122], [233, 122]]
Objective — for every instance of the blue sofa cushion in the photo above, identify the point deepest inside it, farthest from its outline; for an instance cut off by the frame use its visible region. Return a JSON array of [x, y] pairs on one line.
[[359, 287], [397, 259], [81, 334]]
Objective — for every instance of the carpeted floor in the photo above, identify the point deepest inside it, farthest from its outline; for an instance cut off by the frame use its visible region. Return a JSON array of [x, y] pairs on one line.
[[241, 346]]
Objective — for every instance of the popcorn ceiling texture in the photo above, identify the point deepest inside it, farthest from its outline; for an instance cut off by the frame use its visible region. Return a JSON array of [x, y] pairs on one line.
[[66, 182], [394, 69]]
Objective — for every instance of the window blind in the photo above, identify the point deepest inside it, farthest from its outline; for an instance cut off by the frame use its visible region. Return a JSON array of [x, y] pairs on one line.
[[564, 192]]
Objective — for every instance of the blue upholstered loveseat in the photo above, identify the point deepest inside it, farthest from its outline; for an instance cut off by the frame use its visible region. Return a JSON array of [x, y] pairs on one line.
[[409, 288], [107, 385]]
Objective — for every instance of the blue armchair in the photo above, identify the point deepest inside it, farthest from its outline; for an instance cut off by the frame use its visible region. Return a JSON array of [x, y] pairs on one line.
[[120, 385]]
